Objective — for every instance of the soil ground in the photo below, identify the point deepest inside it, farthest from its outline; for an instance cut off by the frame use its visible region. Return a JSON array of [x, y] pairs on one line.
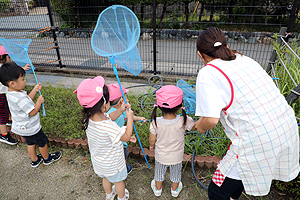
[[72, 177]]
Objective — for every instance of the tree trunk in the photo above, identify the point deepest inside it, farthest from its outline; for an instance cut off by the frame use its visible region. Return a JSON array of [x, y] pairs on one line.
[[212, 10], [201, 11], [186, 12], [162, 15], [230, 11]]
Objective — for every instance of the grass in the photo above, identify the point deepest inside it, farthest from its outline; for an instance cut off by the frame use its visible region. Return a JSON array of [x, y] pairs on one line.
[[64, 119], [291, 189]]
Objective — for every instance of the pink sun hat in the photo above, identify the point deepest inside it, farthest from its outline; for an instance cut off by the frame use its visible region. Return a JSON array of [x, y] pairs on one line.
[[2, 51], [90, 91], [169, 96], [115, 92]]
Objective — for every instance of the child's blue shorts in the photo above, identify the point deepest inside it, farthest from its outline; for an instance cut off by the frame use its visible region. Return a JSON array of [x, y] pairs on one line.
[[120, 176]]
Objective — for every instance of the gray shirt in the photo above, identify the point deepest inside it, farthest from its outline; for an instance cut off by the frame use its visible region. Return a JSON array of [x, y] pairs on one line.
[[20, 105]]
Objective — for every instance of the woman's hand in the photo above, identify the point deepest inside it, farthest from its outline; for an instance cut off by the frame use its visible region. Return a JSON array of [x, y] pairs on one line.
[[206, 123]]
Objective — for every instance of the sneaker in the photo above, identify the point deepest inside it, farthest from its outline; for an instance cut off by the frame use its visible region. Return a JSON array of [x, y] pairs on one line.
[[126, 192], [176, 192], [129, 168], [155, 190], [38, 162], [8, 124], [53, 157], [112, 196], [8, 139]]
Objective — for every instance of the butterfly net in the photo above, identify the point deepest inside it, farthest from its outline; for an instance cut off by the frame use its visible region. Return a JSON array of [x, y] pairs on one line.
[[17, 49], [189, 96], [116, 35]]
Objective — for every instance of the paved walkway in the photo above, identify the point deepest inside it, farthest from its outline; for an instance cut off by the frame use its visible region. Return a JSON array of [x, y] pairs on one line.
[[72, 81]]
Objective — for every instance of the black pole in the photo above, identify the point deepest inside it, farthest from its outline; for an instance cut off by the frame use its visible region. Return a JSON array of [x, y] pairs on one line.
[[154, 36], [53, 32], [293, 16]]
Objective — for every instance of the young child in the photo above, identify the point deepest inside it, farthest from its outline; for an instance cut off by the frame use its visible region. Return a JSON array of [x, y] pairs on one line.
[[105, 136], [117, 113], [4, 110], [25, 115], [167, 137]]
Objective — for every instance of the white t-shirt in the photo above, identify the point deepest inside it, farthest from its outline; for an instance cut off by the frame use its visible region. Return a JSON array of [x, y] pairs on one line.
[[20, 105], [218, 90], [169, 146]]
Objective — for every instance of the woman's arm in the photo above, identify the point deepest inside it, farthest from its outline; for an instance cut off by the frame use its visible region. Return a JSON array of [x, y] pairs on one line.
[[206, 123]]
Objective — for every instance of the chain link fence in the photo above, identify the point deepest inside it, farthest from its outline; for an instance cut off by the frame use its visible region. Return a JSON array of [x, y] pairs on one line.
[[61, 33]]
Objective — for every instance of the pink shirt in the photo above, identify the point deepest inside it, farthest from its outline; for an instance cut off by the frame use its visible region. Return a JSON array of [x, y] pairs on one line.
[[169, 146]]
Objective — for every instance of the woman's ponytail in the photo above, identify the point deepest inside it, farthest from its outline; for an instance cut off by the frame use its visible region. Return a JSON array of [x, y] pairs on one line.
[[212, 42], [224, 53]]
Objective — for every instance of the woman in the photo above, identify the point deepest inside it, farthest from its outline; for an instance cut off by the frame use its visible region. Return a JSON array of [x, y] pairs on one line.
[[256, 118]]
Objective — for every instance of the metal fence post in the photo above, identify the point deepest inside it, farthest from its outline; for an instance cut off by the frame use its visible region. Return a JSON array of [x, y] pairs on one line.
[[293, 16], [53, 32], [154, 36], [274, 54]]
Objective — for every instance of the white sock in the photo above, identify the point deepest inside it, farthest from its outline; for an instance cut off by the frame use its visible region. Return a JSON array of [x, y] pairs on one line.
[[124, 198], [109, 196]]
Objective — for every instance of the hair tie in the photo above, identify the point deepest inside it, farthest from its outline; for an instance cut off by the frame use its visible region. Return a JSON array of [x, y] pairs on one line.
[[217, 44], [154, 105], [183, 108]]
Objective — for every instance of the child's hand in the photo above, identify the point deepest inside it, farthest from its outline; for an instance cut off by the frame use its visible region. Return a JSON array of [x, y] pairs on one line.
[[26, 67], [129, 114], [127, 106], [38, 87], [143, 119], [41, 99], [132, 139], [151, 148]]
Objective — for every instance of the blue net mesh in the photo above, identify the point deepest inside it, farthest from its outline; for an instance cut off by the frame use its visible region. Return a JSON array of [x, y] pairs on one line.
[[116, 35], [17, 50], [189, 96]]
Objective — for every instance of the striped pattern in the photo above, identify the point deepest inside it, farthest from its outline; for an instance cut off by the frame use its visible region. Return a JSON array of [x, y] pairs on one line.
[[261, 126], [4, 112], [20, 105], [175, 172], [107, 153]]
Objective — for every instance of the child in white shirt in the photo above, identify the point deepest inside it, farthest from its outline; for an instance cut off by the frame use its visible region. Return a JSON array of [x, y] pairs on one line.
[[167, 137]]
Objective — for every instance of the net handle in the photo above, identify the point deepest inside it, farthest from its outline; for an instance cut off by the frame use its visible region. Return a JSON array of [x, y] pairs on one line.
[[112, 60]]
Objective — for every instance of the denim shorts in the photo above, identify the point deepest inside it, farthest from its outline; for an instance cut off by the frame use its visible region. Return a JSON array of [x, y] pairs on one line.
[[120, 176]]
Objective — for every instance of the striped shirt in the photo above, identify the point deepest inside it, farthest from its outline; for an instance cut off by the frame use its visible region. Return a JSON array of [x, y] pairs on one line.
[[106, 149], [20, 105]]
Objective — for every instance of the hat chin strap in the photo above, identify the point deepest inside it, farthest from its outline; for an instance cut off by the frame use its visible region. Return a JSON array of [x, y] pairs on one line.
[[104, 103]]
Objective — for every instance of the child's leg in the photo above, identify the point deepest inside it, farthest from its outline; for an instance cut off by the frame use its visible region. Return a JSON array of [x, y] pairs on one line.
[[175, 175], [32, 152], [160, 171], [44, 151], [120, 189], [3, 129], [106, 185]]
